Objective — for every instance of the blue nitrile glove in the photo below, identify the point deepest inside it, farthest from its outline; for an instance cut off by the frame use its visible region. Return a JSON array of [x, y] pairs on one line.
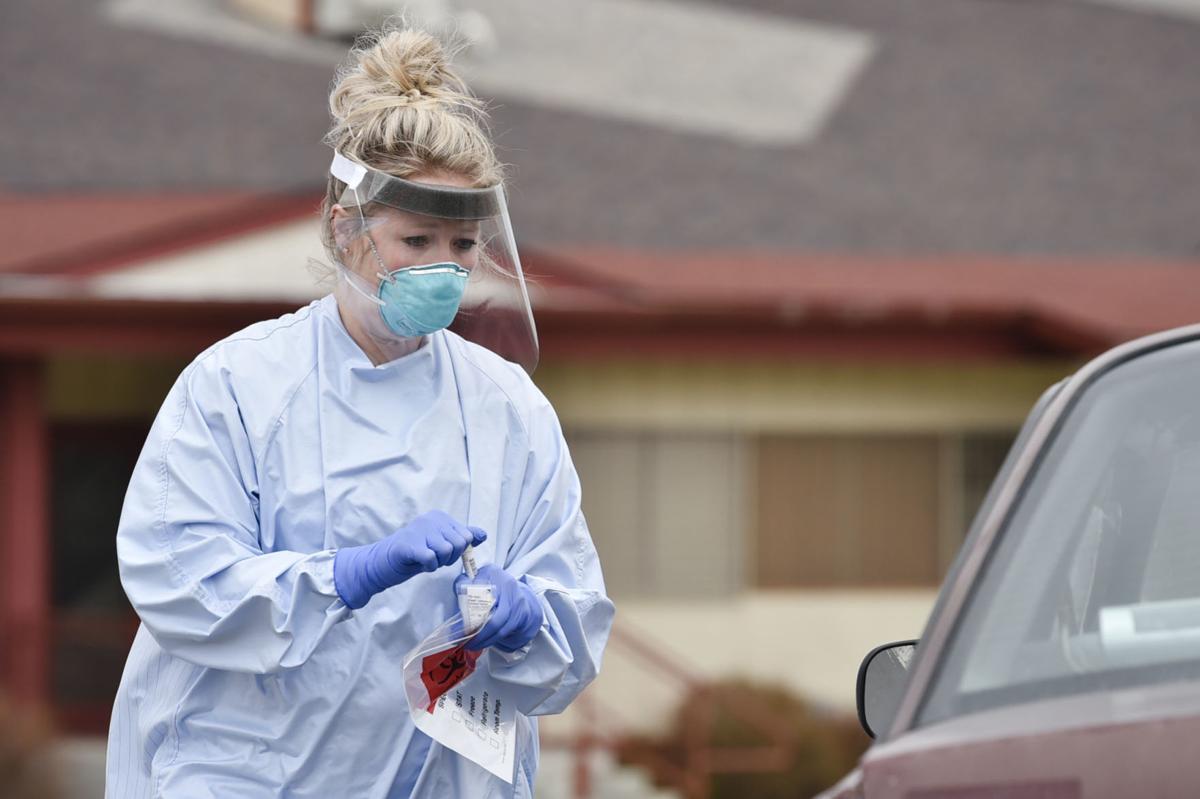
[[516, 616], [426, 543]]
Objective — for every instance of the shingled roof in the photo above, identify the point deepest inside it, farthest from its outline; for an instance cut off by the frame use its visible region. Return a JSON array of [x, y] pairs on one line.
[[1028, 170], [976, 126]]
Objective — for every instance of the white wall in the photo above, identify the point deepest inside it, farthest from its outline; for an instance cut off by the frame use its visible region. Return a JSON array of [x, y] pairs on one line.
[[810, 642]]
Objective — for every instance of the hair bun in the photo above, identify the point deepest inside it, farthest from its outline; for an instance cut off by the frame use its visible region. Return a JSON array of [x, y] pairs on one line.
[[395, 69], [407, 63], [399, 106]]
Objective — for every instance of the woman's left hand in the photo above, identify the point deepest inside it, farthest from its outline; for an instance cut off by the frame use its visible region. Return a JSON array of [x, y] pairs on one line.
[[516, 616]]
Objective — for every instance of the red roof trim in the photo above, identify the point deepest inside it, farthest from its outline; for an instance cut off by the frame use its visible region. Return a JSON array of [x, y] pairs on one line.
[[46, 325], [1096, 300], [81, 236], [737, 304]]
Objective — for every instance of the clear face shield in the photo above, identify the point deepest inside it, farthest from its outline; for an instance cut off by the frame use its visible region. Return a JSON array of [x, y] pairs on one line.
[[418, 257]]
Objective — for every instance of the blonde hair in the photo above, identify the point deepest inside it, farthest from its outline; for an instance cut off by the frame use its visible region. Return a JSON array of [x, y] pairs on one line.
[[399, 107]]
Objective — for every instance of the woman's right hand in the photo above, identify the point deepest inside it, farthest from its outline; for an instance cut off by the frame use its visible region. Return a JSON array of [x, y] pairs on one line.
[[428, 542]]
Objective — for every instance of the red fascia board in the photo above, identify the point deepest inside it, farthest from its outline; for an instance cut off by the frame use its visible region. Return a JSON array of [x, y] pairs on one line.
[[835, 307], [43, 326], [47, 325], [748, 334], [1116, 299]]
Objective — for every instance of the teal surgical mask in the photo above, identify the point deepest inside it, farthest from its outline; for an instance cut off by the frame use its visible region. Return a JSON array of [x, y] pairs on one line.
[[419, 300]]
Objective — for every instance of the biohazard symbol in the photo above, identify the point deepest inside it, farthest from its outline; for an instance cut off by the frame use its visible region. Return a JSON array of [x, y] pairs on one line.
[[443, 670]]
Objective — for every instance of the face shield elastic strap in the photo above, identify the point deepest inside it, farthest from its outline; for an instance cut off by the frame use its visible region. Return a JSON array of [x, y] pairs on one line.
[[382, 273]]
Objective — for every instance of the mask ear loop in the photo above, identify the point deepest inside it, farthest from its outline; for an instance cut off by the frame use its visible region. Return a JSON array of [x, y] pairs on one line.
[[383, 273], [344, 271]]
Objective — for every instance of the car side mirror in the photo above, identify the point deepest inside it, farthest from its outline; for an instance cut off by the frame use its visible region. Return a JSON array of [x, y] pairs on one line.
[[881, 681]]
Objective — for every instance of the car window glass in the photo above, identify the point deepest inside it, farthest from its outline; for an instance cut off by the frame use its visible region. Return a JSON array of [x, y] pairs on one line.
[[1095, 581]]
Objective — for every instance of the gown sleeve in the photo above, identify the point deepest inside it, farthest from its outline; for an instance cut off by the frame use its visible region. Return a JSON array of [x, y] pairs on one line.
[[188, 546], [554, 555]]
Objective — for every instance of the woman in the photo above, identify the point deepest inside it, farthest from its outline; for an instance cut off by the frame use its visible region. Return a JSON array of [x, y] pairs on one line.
[[295, 523]]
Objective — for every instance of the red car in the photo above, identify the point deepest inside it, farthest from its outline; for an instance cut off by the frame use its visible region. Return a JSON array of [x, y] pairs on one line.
[[1062, 658]]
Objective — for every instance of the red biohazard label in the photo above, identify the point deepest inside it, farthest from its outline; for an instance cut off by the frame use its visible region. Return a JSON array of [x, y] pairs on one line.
[[443, 670]]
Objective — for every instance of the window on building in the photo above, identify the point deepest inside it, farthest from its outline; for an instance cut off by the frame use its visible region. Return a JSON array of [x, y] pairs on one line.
[[667, 511], [847, 510], [681, 515], [867, 510]]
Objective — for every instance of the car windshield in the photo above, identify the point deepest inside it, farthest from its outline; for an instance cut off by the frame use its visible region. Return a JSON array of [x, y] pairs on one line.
[[1095, 581]]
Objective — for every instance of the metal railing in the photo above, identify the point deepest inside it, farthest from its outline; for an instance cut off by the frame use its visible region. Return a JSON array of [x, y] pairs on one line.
[[700, 759]]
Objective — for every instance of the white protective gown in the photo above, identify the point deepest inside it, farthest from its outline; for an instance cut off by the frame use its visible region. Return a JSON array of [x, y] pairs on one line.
[[249, 677]]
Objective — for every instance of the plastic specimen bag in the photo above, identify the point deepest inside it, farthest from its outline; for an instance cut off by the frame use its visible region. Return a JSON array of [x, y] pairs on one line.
[[462, 708]]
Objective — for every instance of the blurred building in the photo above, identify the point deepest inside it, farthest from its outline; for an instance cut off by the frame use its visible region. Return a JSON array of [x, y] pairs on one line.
[[787, 368]]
